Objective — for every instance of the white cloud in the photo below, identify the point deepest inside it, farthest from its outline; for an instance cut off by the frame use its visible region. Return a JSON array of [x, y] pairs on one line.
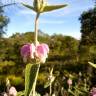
[[25, 1], [51, 21], [29, 12], [76, 34]]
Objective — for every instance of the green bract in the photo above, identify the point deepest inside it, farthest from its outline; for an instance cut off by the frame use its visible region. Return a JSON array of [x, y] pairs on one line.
[[40, 6]]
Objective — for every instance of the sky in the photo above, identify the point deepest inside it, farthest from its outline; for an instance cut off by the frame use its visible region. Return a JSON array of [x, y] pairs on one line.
[[64, 21]]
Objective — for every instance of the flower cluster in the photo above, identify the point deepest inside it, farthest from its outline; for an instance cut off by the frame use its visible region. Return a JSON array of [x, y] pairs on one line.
[[38, 52]]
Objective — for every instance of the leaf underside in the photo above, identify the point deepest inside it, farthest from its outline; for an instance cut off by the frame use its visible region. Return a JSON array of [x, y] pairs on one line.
[[46, 8], [30, 77], [54, 7], [28, 6]]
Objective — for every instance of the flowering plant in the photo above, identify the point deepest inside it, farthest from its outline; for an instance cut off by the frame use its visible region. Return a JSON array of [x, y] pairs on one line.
[[37, 51]]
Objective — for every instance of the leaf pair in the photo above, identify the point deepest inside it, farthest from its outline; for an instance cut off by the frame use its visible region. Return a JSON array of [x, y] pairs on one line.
[[41, 6]]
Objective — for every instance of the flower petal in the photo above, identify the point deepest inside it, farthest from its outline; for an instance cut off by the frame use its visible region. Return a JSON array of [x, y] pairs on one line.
[[25, 50], [12, 91], [32, 50]]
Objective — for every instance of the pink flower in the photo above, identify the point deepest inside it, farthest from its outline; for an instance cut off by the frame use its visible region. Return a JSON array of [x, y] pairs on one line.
[[93, 91], [69, 82], [39, 52], [27, 51], [12, 91]]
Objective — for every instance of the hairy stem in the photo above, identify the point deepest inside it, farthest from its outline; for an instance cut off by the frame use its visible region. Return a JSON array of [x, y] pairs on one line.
[[34, 87], [36, 28], [36, 41]]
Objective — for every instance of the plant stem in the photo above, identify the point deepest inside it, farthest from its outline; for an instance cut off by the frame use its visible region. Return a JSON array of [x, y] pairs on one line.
[[34, 93], [50, 89], [51, 74], [36, 42], [36, 28]]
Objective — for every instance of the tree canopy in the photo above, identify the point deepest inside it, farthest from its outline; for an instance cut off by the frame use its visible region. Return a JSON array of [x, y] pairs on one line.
[[4, 20]]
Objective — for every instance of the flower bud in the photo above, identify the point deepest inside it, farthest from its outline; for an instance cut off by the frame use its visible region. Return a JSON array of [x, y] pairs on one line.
[[12, 91], [39, 5], [69, 82]]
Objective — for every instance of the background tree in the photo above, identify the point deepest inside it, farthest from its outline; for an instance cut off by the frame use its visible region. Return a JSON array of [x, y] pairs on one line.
[[88, 37], [4, 20], [87, 46]]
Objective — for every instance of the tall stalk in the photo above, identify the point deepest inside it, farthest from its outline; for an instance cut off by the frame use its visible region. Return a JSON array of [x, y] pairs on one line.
[[36, 28], [36, 42]]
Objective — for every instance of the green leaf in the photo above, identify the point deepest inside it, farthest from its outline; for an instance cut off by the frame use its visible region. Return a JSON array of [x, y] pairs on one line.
[[53, 7], [31, 73], [37, 94], [47, 84], [92, 64], [28, 6], [20, 93]]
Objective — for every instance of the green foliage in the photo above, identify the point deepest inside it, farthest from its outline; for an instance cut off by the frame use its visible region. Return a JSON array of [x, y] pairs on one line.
[[50, 79], [87, 49], [15, 80], [20, 93], [61, 48], [42, 78], [79, 90], [31, 73], [88, 28]]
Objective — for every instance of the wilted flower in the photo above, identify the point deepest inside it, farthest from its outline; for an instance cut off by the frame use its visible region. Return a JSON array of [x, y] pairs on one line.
[[12, 91], [38, 52], [93, 91]]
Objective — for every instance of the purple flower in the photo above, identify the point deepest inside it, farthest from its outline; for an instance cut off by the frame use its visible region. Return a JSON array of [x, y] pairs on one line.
[[27, 51], [31, 51], [41, 52]]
